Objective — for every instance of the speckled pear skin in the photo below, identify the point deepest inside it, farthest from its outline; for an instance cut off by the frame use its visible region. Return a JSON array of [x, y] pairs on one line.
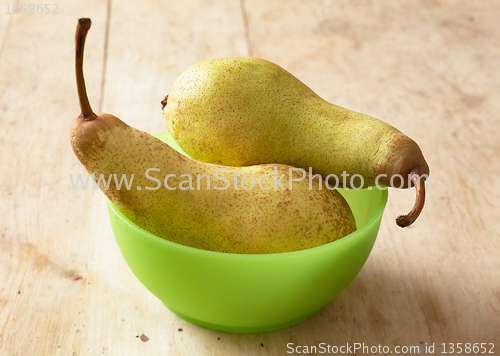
[[233, 221], [242, 111]]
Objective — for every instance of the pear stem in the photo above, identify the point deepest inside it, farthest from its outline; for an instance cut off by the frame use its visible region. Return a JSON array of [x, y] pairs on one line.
[[164, 102], [81, 33], [408, 219]]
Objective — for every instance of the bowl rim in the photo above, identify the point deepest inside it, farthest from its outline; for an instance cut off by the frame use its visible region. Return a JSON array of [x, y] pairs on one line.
[[377, 215]]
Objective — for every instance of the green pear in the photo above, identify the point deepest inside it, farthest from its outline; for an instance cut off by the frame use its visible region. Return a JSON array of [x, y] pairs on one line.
[[198, 204], [244, 111]]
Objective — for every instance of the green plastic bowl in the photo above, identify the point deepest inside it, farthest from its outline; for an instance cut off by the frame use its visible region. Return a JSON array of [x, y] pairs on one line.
[[249, 293]]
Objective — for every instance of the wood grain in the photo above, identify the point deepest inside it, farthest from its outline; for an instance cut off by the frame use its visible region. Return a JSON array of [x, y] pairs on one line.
[[428, 67]]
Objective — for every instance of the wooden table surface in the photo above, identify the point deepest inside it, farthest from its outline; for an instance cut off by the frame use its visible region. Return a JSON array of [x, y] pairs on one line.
[[429, 68]]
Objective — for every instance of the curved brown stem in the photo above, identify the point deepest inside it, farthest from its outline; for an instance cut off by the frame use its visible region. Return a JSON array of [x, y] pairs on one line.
[[81, 33], [408, 219]]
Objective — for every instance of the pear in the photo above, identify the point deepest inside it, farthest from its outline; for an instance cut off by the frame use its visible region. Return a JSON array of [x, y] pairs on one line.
[[243, 111], [170, 195]]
